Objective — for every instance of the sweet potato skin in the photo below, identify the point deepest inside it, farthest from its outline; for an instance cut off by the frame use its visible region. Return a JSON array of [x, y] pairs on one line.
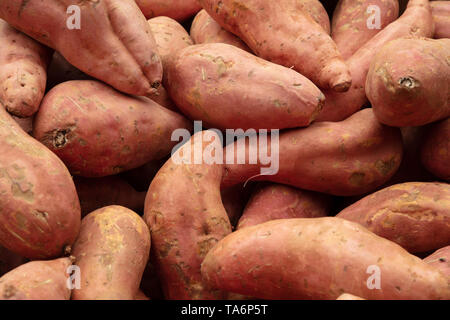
[[176, 9], [441, 16], [348, 296], [318, 258], [37, 280], [23, 75], [345, 158], [97, 131], [184, 231], [408, 83], [414, 215], [111, 251], [435, 149], [227, 87], [349, 23], [40, 210], [316, 10], [440, 260]]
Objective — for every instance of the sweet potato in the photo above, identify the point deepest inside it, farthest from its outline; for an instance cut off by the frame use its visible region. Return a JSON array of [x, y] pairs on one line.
[[176, 9], [282, 32], [408, 83], [354, 22], [23, 71], [277, 201], [435, 149], [40, 210], [9, 260], [316, 10], [441, 16], [441, 260], [415, 21], [111, 251], [227, 87], [347, 296], [345, 158], [318, 258], [184, 231], [113, 42], [97, 131], [37, 280], [414, 215]]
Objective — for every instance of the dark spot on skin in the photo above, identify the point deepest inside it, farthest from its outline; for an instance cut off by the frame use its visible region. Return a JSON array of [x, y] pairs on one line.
[[156, 84], [408, 82], [385, 167], [442, 260], [60, 138], [357, 178]]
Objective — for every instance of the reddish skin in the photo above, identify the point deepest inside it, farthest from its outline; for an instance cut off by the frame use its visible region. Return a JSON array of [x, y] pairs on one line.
[[408, 83], [176, 9], [345, 158], [9, 260], [435, 149], [40, 215], [318, 258], [441, 16], [347, 296], [227, 87], [441, 260], [98, 131], [277, 201], [111, 251], [37, 280], [114, 43], [23, 65], [414, 215], [315, 10], [184, 231], [350, 18], [295, 40], [416, 21]]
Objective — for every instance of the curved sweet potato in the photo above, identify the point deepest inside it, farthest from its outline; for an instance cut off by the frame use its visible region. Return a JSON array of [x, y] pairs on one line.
[[441, 16], [98, 131], [111, 251], [176, 9], [441, 260], [318, 258], [435, 149], [414, 215]]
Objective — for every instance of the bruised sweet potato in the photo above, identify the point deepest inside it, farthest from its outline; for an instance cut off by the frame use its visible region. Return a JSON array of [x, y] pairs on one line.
[[112, 41], [441, 16], [175, 9], [184, 231], [226, 87], [40, 210], [441, 260], [98, 131], [23, 71], [356, 22], [277, 201], [408, 83], [37, 280], [111, 251], [345, 158], [416, 21], [9, 260], [319, 258], [284, 33], [435, 149], [415, 215], [347, 296]]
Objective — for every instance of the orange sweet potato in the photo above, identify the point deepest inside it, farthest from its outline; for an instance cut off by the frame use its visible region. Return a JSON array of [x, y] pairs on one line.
[[184, 231], [441, 16], [111, 251], [318, 258], [408, 83], [441, 260], [284, 33], [415, 215], [227, 87], [97, 131], [435, 149], [175, 9]]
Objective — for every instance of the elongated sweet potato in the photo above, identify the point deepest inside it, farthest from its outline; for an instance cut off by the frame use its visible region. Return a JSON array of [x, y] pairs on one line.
[[282, 32], [408, 83], [356, 22], [227, 87], [40, 210], [345, 158], [184, 231], [319, 258], [23, 71], [441, 16], [97, 131], [9, 260], [277, 201], [441, 260], [37, 280], [348, 296], [416, 21], [435, 149], [109, 40], [175, 9], [415, 215], [111, 251]]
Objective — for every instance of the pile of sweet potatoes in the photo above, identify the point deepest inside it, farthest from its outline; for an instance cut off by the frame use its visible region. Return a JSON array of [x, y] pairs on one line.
[[222, 150]]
